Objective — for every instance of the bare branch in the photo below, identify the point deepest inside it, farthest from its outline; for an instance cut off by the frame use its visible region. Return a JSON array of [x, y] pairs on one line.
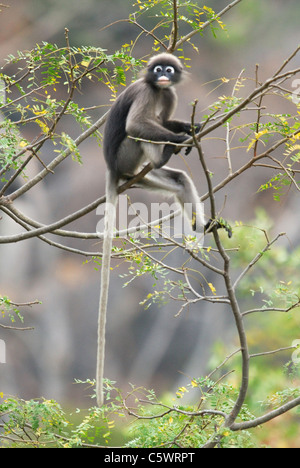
[[257, 258], [207, 23], [228, 157], [267, 417], [274, 351], [231, 295], [12, 327], [272, 309], [61, 157], [174, 33], [249, 164]]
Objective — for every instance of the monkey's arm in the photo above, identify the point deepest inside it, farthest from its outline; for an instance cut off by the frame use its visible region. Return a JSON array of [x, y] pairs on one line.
[[142, 121], [139, 127], [177, 126]]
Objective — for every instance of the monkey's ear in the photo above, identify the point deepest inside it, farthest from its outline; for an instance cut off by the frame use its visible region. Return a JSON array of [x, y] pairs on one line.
[[142, 73], [185, 77]]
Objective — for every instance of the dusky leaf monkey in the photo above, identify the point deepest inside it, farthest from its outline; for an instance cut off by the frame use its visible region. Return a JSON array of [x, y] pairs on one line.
[[144, 111]]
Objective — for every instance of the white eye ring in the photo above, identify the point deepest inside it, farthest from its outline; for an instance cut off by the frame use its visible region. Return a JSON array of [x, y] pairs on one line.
[[157, 69], [170, 70]]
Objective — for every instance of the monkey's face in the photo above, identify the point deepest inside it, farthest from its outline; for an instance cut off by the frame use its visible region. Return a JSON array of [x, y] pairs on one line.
[[163, 75]]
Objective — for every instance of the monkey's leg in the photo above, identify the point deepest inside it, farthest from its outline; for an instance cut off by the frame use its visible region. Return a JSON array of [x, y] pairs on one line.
[[180, 185], [166, 154], [159, 155]]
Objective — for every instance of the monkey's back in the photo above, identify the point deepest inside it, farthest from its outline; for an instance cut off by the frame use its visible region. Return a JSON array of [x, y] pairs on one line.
[[115, 128]]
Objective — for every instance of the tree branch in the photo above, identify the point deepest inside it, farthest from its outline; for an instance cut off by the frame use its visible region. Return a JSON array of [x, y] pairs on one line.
[[256, 259], [174, 33], [232, 298], [61, 157], [207, 23], [267, 417]]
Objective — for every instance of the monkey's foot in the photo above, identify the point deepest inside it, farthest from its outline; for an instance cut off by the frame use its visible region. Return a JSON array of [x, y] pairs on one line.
[[219, 224]]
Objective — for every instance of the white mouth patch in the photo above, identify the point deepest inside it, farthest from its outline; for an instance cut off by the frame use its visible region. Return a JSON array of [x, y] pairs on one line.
[[163, 81]]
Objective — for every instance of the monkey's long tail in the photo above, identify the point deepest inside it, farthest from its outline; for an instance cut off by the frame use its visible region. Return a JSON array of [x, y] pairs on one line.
[[110, 213]]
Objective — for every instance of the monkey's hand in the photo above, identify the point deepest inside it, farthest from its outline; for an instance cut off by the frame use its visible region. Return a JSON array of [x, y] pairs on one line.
[[197, 128], [188, 128], [188, 150], [181, 140]]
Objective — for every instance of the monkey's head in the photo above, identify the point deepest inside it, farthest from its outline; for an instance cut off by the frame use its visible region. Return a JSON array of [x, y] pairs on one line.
[[163, 71]]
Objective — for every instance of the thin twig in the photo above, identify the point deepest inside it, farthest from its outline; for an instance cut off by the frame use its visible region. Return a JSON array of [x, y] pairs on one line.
[[293, 54], [228, 157], [274, 351], [135, 23], [267, 417], [207, 23], [256, 259], [272, 309], [10, 327], [174, 33], [60, 158]]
